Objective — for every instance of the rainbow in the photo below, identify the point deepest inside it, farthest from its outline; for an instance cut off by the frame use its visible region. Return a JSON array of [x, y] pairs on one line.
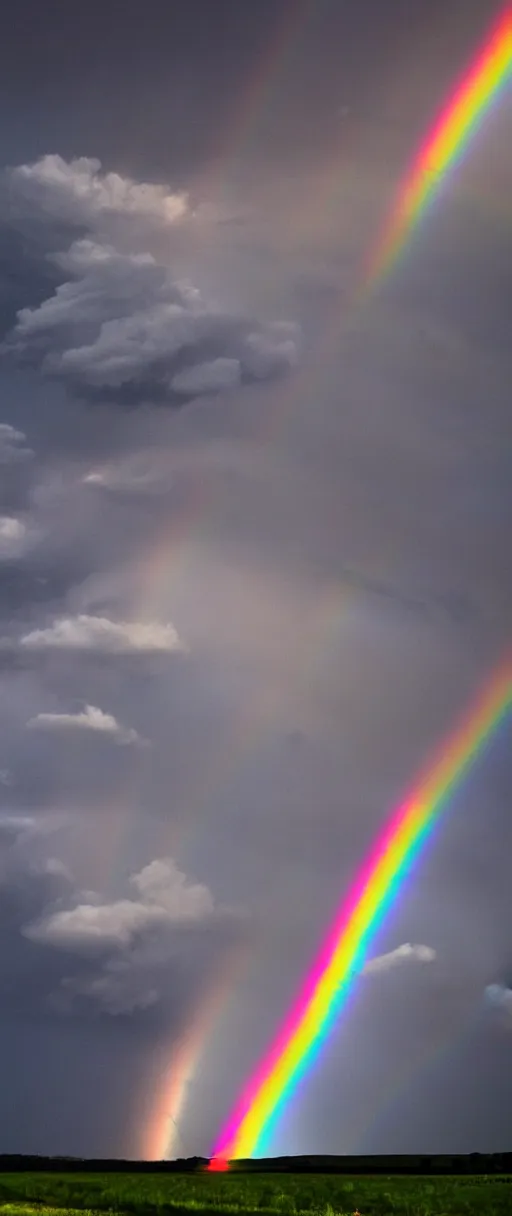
[[331, 978], [458, 121], [162, 1138], [173, 549]]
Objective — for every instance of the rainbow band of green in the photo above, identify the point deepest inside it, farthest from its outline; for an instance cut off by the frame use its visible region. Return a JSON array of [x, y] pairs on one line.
[[332, 976], [443, 147]]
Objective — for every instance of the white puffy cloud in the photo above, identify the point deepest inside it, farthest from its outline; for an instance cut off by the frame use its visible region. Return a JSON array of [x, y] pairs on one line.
[[89, 719], [402, 954], [161, 884], [98, 633], [90, 925], [166, 900], [78, 192], [12, 445]]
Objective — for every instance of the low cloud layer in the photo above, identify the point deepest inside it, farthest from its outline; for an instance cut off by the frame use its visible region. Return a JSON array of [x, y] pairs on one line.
[[120, 326]]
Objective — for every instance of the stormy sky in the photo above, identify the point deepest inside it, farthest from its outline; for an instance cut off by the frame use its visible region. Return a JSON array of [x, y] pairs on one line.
[[254, 562]]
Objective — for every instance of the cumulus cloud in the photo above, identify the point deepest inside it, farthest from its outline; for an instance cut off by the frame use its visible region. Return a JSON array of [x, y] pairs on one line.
[[13, 449], [166, 899], [89, 719], [120, 326], [80, 952], [402, 954], [78, 192], [98, 633]]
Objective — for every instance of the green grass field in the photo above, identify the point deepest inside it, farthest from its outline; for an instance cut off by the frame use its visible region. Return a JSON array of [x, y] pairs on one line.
[[49, 1194]]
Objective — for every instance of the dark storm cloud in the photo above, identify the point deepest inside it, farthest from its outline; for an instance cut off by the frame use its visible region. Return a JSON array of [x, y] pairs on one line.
[[120, 326]]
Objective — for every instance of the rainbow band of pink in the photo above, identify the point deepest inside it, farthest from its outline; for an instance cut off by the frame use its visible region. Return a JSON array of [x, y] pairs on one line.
[[445, 143], [331, 978], [343, 954]]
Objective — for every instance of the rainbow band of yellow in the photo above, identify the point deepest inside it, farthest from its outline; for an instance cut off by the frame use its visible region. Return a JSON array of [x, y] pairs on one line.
[[342, 956], [458, 121], [331, 978]]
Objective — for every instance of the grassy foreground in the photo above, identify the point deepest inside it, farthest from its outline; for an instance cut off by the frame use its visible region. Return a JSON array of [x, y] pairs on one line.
[[178, 1195]]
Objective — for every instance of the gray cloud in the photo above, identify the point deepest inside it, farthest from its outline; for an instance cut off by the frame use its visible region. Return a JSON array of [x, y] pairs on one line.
[[13, 449], [209, 377], [120, 326]]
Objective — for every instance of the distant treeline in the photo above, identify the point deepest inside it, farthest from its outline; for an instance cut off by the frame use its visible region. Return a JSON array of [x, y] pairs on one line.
[[473, 1163]]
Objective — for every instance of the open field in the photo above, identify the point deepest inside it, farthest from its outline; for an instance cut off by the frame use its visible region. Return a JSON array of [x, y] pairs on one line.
[[46, 1194]]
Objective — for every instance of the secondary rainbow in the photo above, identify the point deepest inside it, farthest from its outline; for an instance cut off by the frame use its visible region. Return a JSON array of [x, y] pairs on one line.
[[331, 978], [445, 144]]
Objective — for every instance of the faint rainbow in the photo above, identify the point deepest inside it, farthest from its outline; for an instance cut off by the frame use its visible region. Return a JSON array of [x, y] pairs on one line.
[[161, 1136], [459, 119], [331, 979], [171, 551], [255, 99]]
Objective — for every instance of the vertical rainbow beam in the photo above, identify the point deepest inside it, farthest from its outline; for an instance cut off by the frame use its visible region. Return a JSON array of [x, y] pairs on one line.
[[332, 976], [443, 147]]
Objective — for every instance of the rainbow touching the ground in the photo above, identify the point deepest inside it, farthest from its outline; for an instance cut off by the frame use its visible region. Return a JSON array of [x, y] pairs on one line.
[[444, 145], [170, 556], [163, 1138], [331, 979]]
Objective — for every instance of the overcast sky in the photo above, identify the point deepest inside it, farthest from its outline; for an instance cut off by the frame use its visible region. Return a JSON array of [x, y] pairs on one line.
[[254, 562]]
